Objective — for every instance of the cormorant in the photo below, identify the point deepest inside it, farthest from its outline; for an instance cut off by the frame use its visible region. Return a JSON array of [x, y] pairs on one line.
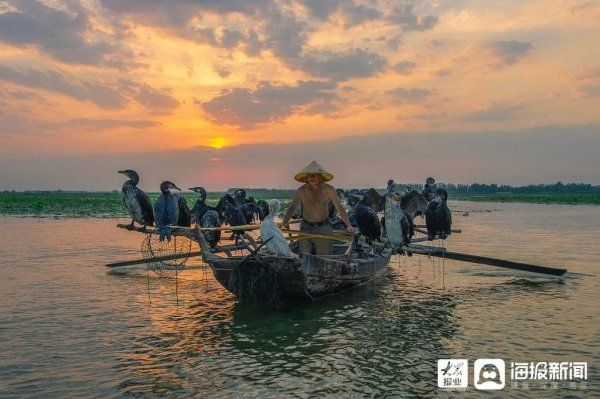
[[166, 210], [413, 203], [438, 217], [263, 209], [376, 200], [225, 201], [185, 217], [271, 234], [211, 219], [429, 189], [234, 217], [136, 201], [200, 207], [249, 210], [239, 196], [368, 222], [397, 224]]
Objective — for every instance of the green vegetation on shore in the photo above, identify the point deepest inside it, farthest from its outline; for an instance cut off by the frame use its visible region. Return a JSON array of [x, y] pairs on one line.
[[110, 204]]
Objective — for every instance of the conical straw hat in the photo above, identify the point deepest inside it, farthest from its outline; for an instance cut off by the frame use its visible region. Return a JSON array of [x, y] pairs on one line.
[[313, 167]]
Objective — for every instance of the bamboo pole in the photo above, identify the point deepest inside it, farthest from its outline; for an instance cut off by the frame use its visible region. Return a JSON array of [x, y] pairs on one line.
[[484, 260]]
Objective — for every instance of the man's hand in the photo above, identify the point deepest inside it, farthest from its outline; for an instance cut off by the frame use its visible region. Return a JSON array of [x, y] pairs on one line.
[[351, 230]]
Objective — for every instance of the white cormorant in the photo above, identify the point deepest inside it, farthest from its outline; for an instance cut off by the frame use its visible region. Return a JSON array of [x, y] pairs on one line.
[[271, 234], [397, 224], [166, 210], [136, 201]]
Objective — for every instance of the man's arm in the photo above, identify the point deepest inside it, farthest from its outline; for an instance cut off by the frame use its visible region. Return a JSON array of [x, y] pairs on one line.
[[290, 210], [333, 197]]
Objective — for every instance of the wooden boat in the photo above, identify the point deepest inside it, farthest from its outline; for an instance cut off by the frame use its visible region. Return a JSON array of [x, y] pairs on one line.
[[306, 278]]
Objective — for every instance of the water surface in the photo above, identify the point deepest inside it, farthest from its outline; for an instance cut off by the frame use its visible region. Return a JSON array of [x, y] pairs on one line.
[[70, 328]]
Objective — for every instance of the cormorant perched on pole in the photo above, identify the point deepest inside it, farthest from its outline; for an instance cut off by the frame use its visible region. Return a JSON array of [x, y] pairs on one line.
[[185, 217], [429, 189], [205, 216], [438, 217], [200, 206], [367, 220], [166, 210], [136, 201], [398, 226]]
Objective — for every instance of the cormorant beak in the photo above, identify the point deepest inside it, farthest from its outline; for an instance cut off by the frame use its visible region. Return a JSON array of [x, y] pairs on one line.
[[122, 172], [176, 188]]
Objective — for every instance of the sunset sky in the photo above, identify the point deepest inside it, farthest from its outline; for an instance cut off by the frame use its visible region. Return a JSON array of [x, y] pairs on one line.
[[247, 92]]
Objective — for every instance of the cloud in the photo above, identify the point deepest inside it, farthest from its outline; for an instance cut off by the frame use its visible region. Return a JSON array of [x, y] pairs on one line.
[[357, 63], [357, 14], [508, 52], [58, 82], [221, 70], [268, 103], [102, 124], [404, 67], [285, 35], [159, 101], [413, 95], [494, 113], [404, 16], [588, 90], [64, 35], [108, 95]]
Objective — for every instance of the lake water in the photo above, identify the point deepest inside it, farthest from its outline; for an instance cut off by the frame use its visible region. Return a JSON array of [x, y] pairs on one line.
[[70, 327]]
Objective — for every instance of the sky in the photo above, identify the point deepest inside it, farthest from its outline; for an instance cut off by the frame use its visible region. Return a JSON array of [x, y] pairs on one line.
[[244, 93]]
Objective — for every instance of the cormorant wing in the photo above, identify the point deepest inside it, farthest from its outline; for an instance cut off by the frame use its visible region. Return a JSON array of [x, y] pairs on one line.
[[146, 206]]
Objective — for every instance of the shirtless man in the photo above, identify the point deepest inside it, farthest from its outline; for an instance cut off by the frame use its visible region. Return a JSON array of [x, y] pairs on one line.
[[314, 196]]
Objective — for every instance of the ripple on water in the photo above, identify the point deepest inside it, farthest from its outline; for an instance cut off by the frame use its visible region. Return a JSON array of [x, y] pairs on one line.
[[69, 328]]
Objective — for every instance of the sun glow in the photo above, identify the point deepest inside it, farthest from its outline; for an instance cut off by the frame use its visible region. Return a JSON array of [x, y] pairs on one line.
[[218, 142]]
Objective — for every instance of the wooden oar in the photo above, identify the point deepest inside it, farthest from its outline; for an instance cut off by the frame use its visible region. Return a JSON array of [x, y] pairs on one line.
[[488, 261]]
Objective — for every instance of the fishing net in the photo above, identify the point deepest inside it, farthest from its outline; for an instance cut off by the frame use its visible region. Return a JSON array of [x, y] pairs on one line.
[[177, 252], [255, 282]]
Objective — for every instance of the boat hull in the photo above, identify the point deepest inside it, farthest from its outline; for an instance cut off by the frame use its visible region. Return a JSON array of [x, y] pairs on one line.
[[311, 277]]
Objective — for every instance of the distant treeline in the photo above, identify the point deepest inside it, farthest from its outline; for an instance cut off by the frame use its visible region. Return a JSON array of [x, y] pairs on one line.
[[483, 189], [456, 189]]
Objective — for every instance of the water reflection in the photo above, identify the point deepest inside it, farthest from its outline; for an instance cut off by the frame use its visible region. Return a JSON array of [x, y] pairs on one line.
[[70, 329]]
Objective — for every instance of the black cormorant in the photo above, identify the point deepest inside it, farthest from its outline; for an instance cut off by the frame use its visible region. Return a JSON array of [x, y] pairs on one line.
[[239, 196], [200, 207], [249, 210], [429, 189], [231, 214], [211, 219], [185, 217], [367, 220], [263, 209], [166, 210], [438, 217], [136, 201]]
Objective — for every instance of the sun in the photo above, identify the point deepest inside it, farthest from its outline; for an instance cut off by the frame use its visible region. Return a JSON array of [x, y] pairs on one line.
[[218, 142]]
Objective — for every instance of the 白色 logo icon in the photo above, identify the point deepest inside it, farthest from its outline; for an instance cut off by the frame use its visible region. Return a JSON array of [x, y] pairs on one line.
[[489, 374]]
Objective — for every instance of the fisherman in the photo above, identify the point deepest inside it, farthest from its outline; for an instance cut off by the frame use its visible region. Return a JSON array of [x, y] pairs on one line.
[[315, 196]]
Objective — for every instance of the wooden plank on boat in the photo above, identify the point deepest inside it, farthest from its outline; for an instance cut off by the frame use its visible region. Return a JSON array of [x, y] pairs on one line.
[[484, 260]]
